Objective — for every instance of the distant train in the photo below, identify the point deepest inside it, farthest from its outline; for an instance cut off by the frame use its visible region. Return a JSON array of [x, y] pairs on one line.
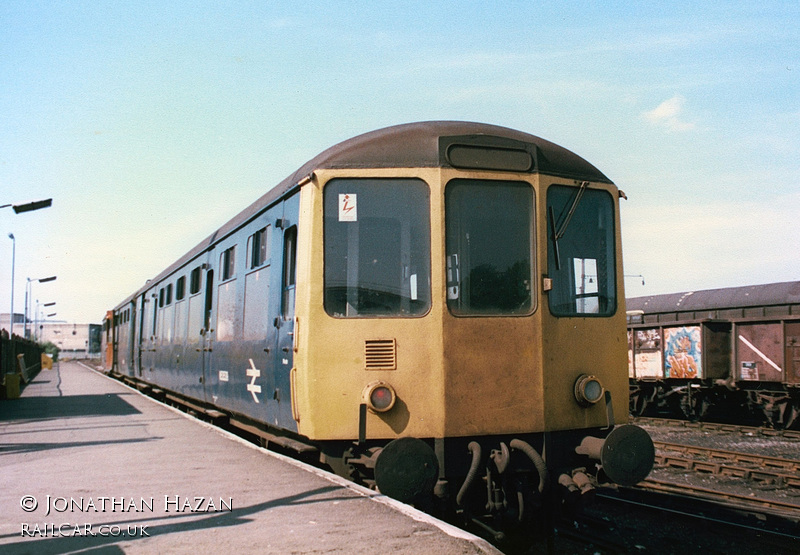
[[730, 355], [435, 309]]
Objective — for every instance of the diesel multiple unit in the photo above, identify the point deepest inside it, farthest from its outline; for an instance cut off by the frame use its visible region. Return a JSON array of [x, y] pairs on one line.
[[434, 309]]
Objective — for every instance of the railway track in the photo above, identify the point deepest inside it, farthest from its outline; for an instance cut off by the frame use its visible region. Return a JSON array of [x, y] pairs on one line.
[[673, 516], [755, 481], [760, 468], [731, 500], [714, 516], [701, 498], [717, 427], [664, 519], [696, 500]]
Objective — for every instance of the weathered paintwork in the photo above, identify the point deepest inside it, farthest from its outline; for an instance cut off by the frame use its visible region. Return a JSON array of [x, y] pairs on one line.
[[256, 339]]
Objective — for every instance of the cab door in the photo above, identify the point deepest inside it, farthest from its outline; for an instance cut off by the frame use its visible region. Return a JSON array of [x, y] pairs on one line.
[[206, 344], [138, 341], [147, 341], [286, 323]]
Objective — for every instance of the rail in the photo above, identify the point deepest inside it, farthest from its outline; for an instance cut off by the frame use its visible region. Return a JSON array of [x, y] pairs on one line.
[[783, 509], [717, 427], [728, 463]]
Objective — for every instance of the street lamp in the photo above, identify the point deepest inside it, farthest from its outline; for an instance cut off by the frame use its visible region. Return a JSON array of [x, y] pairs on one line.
[[29, 206], [18, 209], [13, 260], [37, 326], [40, 326], [27, 289]]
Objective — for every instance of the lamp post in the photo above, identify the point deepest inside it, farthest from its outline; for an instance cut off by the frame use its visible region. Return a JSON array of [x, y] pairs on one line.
[[27, 289], [19, 209], [37, 325], [40, 327], [13, 262]]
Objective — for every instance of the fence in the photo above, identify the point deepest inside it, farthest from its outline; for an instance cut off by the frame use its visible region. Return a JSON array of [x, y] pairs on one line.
[[19, 356]]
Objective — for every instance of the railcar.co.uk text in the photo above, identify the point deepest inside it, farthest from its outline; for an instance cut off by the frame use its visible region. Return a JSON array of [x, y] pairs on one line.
[[112, 504]]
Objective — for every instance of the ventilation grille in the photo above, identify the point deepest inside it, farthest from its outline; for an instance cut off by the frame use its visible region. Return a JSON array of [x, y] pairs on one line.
[[380, 354]]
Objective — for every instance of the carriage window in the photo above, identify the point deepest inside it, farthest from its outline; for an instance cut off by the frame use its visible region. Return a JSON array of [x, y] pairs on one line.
[[289, 272], [257, 246], [227, 263], [489, 245], [180, 288], [580, 252], [194, 281], [377, 247], [155, 312]]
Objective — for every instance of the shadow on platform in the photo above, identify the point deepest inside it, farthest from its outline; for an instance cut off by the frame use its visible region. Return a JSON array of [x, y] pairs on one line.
[[16, 448], [181, 522], [45, 408]]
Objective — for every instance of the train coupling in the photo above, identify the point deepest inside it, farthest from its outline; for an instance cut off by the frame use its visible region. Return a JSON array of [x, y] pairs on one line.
[[578, 488]]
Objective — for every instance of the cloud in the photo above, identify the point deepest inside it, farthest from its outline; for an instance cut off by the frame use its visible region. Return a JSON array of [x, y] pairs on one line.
[[668, 114]]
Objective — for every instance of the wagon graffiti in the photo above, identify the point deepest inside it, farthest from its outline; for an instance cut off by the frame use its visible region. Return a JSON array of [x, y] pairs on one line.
[[682, 352]]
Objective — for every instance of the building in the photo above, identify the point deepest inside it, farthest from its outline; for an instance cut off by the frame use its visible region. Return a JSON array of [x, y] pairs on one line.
[[19, 323], [72, 340]]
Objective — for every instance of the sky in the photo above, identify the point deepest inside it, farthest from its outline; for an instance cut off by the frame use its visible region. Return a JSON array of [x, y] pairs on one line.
[[150, 124]]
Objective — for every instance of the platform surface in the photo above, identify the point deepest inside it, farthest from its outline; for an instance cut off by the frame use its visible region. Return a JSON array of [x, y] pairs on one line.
[[88, 465]]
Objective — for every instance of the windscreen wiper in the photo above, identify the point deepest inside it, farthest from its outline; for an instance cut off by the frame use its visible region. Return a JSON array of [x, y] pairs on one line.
[[556, 235]]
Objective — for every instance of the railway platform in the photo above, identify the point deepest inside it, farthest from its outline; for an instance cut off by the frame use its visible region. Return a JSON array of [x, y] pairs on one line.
[[88, 465]]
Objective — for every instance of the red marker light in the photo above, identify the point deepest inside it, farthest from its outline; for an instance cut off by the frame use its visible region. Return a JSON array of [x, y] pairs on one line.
[[379, 396]]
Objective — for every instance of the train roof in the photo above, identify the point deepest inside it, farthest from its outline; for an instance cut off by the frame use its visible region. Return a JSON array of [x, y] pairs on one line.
[[771, 294], [423, 144]]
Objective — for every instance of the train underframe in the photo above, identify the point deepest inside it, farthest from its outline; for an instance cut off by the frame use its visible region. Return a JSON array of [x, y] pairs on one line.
[[502, 487], [768, 404], [507, 488]]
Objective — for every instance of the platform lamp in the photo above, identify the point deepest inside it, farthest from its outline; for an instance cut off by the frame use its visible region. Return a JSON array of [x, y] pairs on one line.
[[18, 209], [27, 296], [37, 326], [44, 321], [13, 262], [29, 206]]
